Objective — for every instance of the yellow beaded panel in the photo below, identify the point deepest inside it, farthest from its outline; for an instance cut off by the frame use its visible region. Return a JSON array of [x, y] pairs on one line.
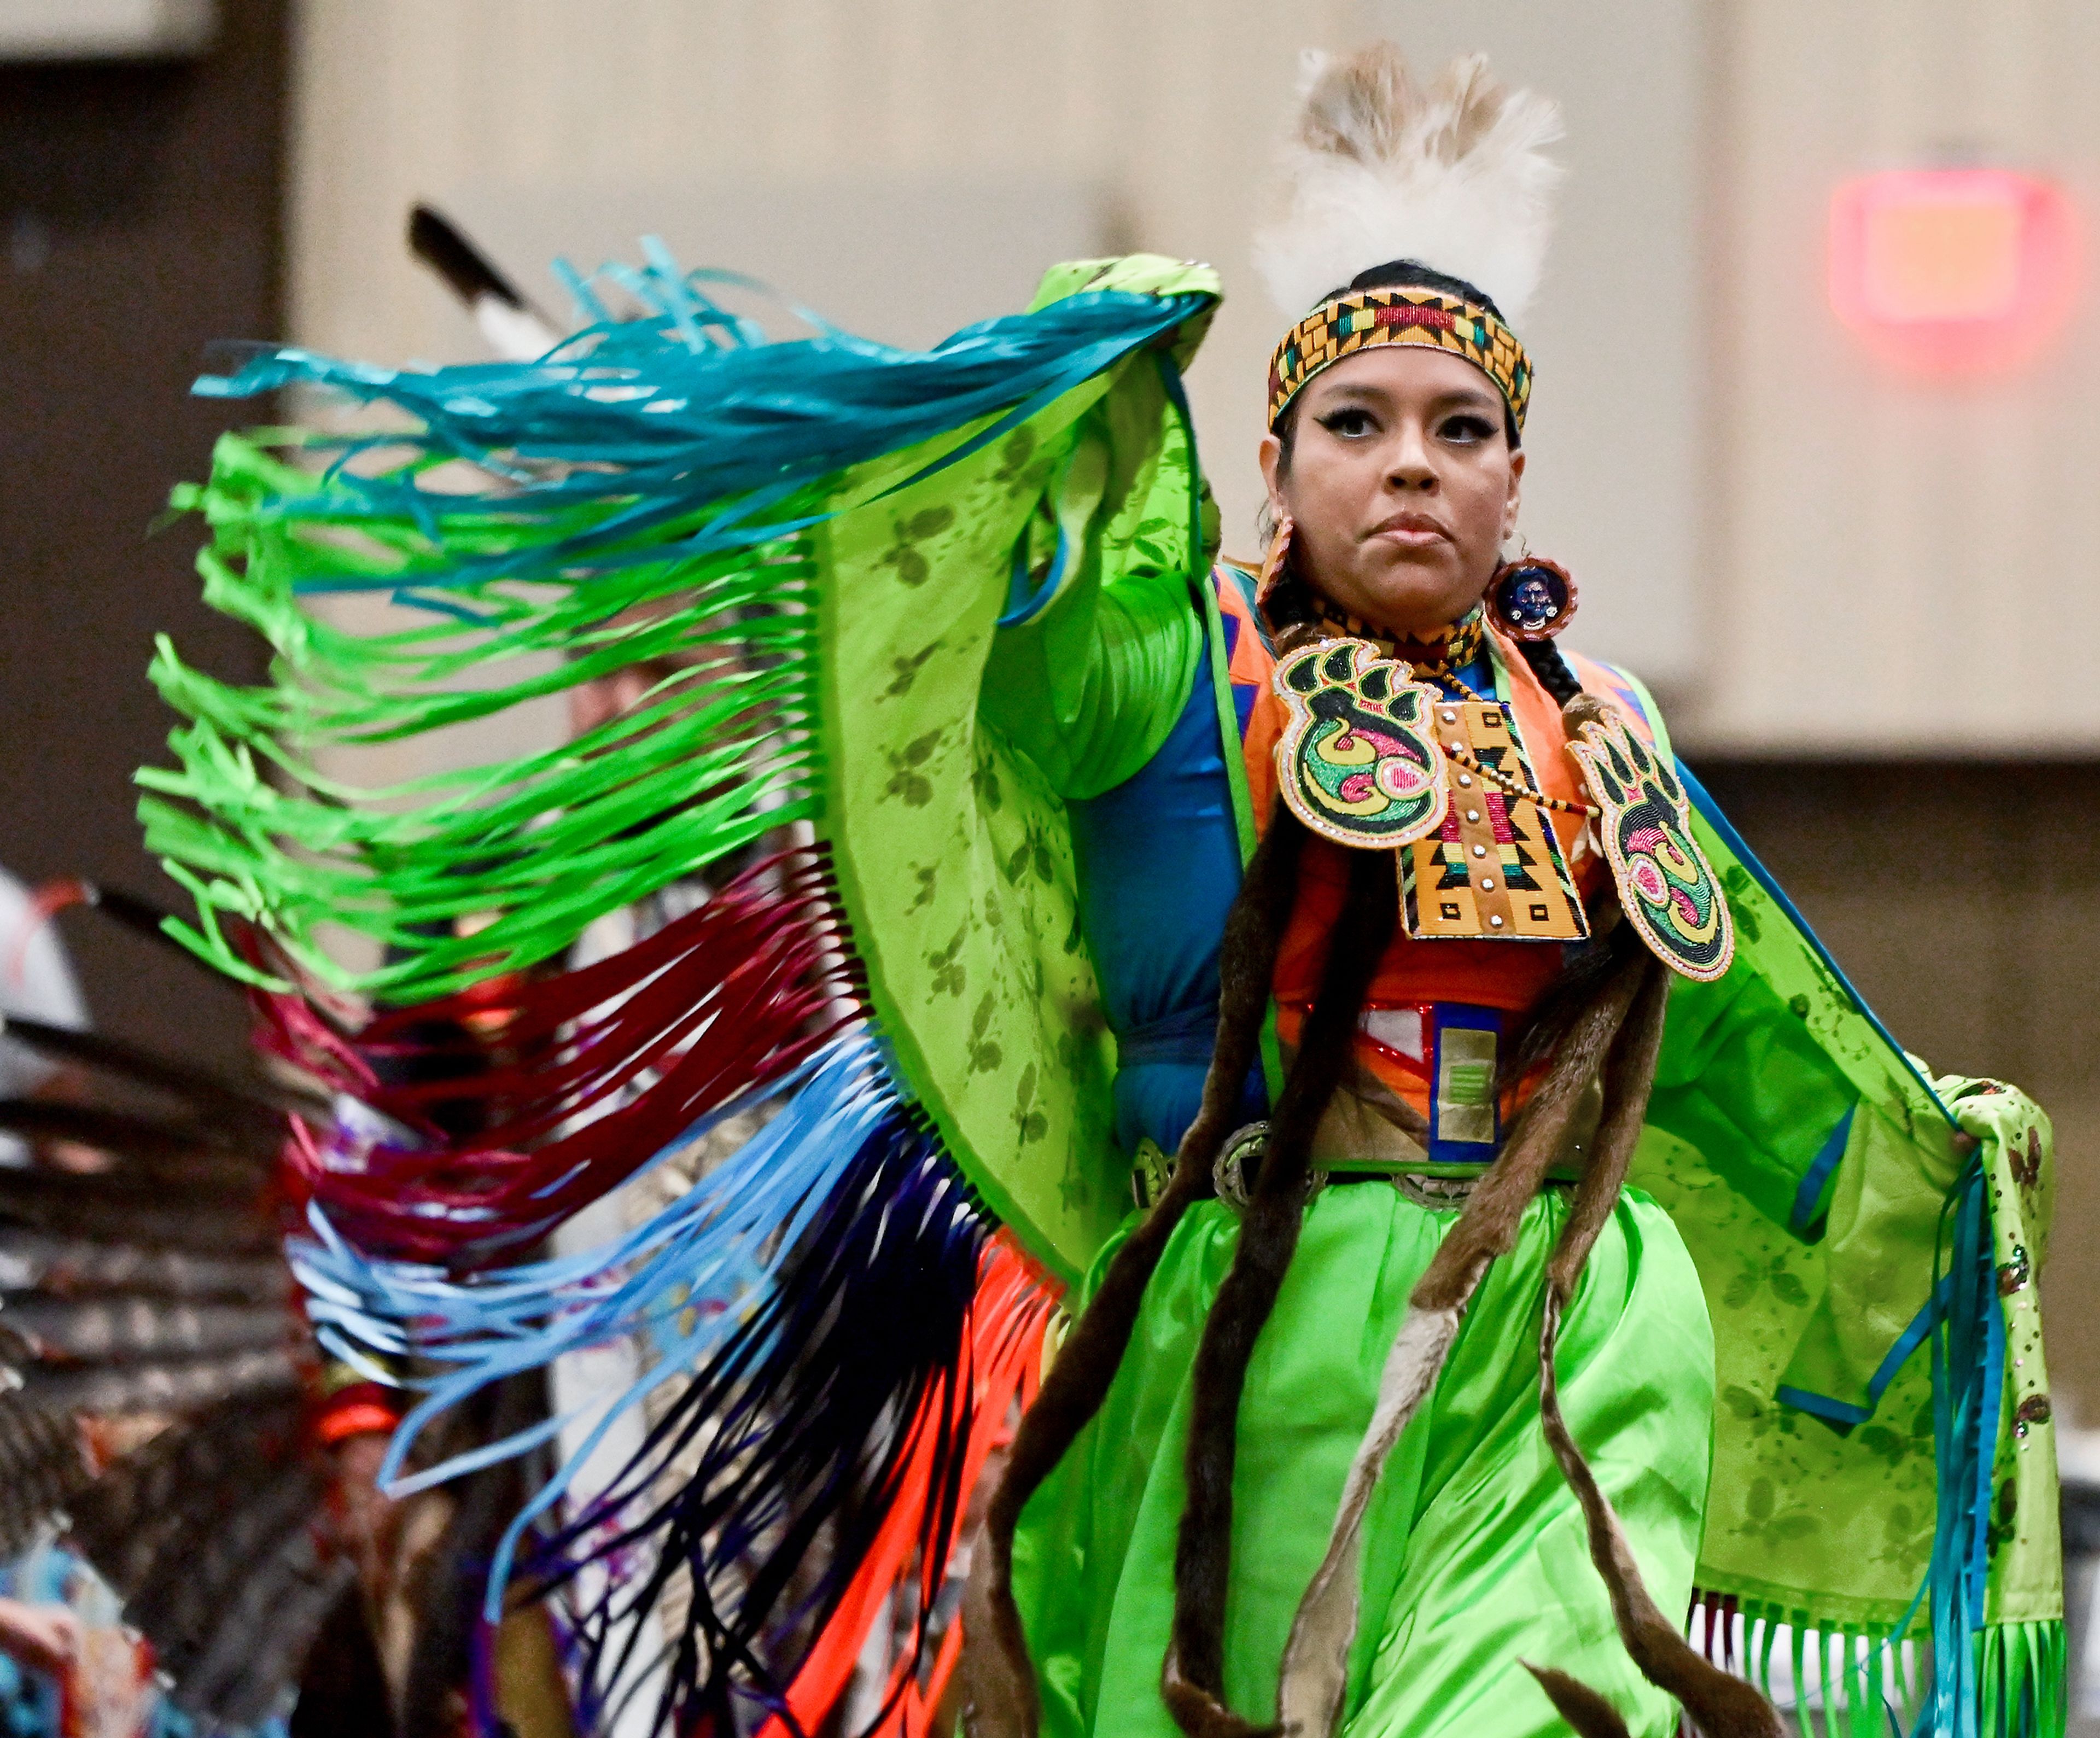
[[1495, 871]]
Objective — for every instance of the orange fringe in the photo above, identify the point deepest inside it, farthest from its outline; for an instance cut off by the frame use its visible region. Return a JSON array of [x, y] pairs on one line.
[[1007, 1320]]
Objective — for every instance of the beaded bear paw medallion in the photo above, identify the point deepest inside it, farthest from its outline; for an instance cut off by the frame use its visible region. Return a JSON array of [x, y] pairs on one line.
[[1356, 762], [1667, 889]]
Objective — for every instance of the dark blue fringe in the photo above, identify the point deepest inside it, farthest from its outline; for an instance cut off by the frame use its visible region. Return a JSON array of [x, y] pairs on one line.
[[800, 1421]]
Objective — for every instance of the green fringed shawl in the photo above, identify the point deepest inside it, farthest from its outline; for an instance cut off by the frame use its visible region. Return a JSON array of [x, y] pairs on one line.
[[1805, 1160]]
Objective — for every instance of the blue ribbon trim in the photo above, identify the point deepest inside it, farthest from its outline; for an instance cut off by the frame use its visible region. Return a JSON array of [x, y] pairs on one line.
[[1967, 1327], [1021, 603], [1808, 1198], [1843, 1415]]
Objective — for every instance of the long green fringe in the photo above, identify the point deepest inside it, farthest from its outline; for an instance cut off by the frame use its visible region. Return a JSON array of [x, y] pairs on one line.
[[543, 843], [2022, 1679], [647, 491], [1853, 1682]]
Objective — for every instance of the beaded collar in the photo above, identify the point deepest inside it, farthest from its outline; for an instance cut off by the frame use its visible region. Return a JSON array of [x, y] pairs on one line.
[[1452, 647]]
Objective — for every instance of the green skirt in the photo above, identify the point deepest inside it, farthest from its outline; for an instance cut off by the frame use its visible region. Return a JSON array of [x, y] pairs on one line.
[[1475, 1553]]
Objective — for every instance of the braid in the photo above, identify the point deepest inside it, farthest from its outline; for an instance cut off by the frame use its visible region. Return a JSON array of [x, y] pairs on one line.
[[1290, 611], [1001, 1681], [1193, 1678], [1551, 669]]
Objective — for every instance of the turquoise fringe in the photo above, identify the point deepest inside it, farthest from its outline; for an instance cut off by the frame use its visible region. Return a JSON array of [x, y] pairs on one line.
[[1956, 1675], [1968, 1380], [1840, 1681]]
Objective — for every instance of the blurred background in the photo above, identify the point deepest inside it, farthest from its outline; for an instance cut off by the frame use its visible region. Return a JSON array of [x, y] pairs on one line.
[[1814, 426]]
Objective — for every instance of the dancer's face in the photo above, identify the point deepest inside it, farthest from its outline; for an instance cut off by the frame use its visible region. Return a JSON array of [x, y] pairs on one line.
[[1402, 483]]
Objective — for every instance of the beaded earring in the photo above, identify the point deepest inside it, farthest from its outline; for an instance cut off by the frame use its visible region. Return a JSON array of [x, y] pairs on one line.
[[1532, 599], [1281, 595]]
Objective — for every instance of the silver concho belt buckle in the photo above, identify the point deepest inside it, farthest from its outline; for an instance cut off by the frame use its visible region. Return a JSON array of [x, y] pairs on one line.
[[1425, 1191], [1228, 1170]]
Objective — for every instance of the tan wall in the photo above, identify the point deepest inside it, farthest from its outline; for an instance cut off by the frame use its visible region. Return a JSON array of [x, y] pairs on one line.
[[1900, 566], [755, 137], [1168, 107], [1809, 553], [838, 145]]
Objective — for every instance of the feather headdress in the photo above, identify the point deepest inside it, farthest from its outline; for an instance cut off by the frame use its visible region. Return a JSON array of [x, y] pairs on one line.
[[1453, 177]]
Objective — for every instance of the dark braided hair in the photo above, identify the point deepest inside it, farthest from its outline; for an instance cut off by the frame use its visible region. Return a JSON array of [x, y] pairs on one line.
[[1551, 669]]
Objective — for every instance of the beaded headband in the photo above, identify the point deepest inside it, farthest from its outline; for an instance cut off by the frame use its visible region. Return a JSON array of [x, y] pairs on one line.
[[1364, 317]]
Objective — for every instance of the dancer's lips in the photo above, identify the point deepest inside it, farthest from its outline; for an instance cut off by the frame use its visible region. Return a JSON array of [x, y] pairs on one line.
[[1412, 530]]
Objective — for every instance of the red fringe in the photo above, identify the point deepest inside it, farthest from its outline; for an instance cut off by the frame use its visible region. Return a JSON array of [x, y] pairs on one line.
[[571, 1080], [1720, 1611]]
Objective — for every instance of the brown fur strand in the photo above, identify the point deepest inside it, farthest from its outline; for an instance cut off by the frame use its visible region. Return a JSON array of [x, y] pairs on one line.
[[1198, 1712], [1488, 1226], [1581, 1706], [1269, 1238], [1000, 1680], [1310, 1689], [1628, 1078], [1720, 1705]]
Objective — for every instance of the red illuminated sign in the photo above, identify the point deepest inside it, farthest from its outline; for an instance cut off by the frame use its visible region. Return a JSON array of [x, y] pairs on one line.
[[1953, 271]]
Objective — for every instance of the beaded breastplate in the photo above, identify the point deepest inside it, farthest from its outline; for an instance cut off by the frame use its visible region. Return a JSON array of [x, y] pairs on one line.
[[1493, 870], [1375, 757]]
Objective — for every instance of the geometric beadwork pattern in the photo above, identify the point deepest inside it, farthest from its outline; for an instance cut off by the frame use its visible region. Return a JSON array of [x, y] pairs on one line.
[[1495, 870], [1364, 317]]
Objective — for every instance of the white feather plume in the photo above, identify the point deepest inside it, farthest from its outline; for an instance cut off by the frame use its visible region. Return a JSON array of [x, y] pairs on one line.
[[1454, 178]]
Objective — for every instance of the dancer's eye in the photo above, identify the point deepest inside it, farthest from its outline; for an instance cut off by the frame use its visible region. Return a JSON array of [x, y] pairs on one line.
[[1466, 429], [1351, 422]]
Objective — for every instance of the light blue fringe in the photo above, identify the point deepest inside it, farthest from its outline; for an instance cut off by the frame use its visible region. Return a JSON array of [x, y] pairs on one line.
[[686, 1279]]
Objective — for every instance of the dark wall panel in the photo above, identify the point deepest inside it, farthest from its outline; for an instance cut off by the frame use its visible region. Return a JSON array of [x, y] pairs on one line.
[[141, 208]]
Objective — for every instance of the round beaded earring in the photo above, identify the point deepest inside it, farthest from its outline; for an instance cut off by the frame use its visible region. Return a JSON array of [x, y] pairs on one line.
[[1532, 599]]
